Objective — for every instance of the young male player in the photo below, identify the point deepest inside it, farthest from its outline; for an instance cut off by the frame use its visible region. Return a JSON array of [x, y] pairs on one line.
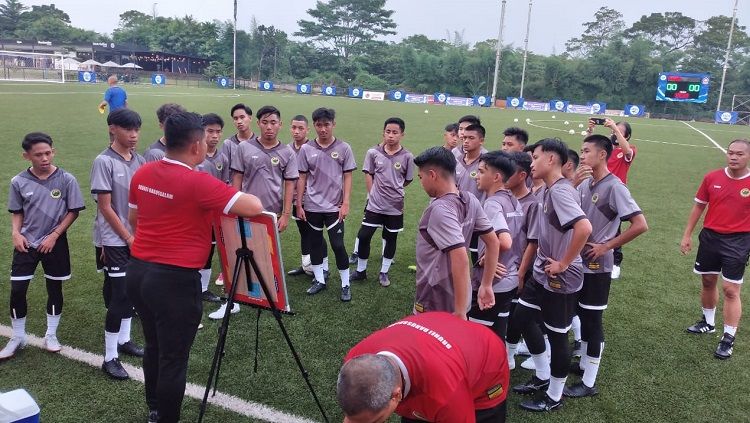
[[450, 136], [724, 242], [110, 182], [445, 228], [464, 123], [325, 183], [563, 231], [606, 202], [388, 168], [44, 201], [506, 216], [467, 169], [157, 150], [514, 139]]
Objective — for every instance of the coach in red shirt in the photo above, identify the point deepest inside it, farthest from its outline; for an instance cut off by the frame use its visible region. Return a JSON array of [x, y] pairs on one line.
[[724, 242], [171, 207], [430, 367]]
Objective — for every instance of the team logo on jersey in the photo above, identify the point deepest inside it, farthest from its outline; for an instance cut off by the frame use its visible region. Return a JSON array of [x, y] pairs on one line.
[[419, 308], [595, 198], [219, 166], [620, 155], [335, 155], [473, 174], [555, 283], [397, 165], [495, 392], [275, 161], [594, 266], [56, 193], [745, 192]]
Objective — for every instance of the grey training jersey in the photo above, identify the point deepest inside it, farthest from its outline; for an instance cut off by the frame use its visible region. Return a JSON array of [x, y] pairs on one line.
[[458, 151], [466, 176], [528, 230], [43, 202], [325, 168], [229, 148], [505, 214], [265, 170], [605, 203], [111, 174], [561, 209], [216, 166], [447, 223], [389, 174], [156, 151], [296, 150]]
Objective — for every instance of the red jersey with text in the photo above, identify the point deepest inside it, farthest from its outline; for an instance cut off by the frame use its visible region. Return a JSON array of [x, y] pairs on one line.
[[728, 202], [619, 164], [450, 367]]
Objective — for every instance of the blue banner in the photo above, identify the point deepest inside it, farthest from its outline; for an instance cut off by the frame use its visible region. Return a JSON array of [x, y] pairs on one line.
[[396, 95], [459, 101], [729, 118], [440, 98], [558, 105], [579, 108], [328, 90], [417, 98], [355, 92], [223, 82], [598, 108], [535, 106], [158, 79], [482, 101], [514, 102], [86, 76], [304, 89], [634, 110], [265, 86]]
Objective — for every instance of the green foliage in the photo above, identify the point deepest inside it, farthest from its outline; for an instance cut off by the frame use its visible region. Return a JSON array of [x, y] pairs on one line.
[[10, 17], [606, 26], [215, 69]]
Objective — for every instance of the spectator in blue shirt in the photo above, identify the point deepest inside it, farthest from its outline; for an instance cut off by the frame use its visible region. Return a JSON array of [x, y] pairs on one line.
[[115, 96]]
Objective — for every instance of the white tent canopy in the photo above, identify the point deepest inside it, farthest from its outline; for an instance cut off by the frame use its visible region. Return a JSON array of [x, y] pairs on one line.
[[131, 65], [91, 62], [70, 63], [110, 64]]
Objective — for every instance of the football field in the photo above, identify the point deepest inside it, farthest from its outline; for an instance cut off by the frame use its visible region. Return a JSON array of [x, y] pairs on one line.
[[652, 370]]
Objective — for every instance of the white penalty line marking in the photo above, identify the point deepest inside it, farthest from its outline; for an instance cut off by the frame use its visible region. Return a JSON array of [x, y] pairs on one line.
[[707, 137], [226, 401]]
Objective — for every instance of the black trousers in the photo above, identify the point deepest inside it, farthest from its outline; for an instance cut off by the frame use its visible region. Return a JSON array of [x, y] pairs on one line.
[[168, 300], [495, 414]]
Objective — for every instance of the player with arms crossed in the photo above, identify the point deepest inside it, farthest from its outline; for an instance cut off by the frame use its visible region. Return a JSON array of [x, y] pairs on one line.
[[724, 242], [44, 201], [388, 168]]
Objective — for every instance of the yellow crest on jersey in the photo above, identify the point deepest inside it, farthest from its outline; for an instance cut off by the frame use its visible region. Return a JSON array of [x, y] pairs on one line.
[[595, 198], [745, 192], [275, 161], [335, 155], [397, 165], [55, 193]]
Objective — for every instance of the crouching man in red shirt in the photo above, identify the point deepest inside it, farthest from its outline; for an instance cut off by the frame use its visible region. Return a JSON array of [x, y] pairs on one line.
[[430, 367]]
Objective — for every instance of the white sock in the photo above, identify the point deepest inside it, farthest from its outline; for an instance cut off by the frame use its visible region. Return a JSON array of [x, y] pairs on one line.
[[382, 250], [541, 362], [511, 349], [361, 265], [356, 246], [386, 266], [325, 263], [306, 260], [547, 346], [52, 322], [205, 279], [710, 315], [584, 349], [318, 273], [576, 328], [344, 277], [590, 370], [124, 335], [19, 327], [556, 385], [110, 345], [732, 330]]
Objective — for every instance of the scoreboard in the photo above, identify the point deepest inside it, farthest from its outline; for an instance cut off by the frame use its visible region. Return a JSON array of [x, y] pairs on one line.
[[683, 87]]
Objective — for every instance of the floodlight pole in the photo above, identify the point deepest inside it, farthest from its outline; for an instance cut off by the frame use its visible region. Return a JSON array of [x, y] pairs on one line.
[[525, 49], [234, 49], [499, 53], [726, 56]]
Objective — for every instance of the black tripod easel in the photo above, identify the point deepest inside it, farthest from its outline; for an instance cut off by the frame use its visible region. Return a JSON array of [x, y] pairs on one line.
[[245, 259]]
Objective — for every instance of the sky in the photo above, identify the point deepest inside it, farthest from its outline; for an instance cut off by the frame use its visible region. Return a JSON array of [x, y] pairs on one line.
[[553, 22]]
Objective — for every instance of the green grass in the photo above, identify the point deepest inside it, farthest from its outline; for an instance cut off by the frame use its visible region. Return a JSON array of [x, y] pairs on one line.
[[652, 371]]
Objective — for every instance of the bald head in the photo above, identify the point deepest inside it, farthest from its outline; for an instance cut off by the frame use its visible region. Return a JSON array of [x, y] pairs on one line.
[[112, 80], [366, 384]]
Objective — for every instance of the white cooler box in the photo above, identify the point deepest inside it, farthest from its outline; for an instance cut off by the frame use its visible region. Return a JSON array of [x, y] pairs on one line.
[[18, 407]]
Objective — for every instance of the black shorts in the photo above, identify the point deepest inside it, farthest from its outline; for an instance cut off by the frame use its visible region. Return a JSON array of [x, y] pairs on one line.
[[98, 259], [322, 221], [531, 296], [489, 316], [474, 243], [595, 292], [116, 261], [725, 254], [56, 263], [558, 310], [294, 212], [496, 414], [392, 223]]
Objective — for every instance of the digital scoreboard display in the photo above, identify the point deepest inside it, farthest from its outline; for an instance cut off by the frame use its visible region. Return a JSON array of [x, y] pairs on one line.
[[683, 87]]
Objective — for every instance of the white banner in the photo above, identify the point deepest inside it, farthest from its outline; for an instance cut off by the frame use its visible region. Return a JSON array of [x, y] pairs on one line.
[[373, 95]]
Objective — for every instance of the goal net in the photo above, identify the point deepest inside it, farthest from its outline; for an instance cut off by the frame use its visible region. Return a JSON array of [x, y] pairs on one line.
[[33, 67]]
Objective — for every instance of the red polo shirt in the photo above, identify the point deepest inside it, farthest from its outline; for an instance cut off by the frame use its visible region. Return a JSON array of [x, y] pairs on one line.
[[450, 367], [728, 202], [619, 165], [176, 206]]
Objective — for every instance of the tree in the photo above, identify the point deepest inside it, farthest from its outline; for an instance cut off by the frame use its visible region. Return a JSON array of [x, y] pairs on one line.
[[10, 17], [44, 11], [347, 25], [606, 26], [669, 31]]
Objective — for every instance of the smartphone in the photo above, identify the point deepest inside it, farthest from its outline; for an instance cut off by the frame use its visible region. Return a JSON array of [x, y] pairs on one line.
[[598, 121]]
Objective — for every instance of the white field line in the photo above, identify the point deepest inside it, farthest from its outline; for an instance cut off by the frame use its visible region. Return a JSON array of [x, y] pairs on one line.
[[226, 401], [138, 93], [707, 137]]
